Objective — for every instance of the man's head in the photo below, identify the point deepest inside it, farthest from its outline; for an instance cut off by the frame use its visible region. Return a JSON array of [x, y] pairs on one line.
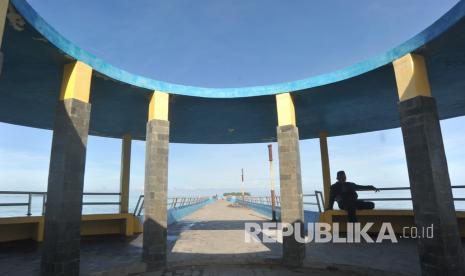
[[341, 176]]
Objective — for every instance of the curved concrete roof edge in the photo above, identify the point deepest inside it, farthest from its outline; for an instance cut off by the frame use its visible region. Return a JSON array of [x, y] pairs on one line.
[[101, 66]]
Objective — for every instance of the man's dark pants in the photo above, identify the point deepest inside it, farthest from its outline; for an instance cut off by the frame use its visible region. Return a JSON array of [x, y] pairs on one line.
[[353, 206]]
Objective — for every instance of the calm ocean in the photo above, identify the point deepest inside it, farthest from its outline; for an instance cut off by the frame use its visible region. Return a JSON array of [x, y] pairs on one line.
[[36, 206]]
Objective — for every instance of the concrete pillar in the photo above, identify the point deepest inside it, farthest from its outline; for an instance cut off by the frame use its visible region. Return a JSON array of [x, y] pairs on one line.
[[3, 11], [125, 173], [325, 167], [156, 181], [433, 203], [60, 251], [290, 179]]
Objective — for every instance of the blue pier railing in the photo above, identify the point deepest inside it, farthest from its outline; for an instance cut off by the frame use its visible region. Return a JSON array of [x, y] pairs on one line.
[[173, 202], [262, 205], [178, 207], [43, 195], [25, 199]]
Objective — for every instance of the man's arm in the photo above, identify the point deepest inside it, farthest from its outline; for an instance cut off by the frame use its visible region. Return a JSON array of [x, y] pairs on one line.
[[365, 188]]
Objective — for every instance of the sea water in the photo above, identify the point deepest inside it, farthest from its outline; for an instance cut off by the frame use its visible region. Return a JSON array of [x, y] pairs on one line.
[[36, 202]]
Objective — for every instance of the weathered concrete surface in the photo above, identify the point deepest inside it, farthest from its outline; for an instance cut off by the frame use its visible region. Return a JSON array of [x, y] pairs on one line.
[[393, 258], [246, 270], [155, 192], [432, 198], [60, 255], [219, 230], [291, 192], [216, 234]]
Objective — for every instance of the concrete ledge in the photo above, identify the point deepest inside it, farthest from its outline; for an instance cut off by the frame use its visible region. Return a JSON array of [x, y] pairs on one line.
[[21, 228], [102, 224], [376, 212], [398, 218]]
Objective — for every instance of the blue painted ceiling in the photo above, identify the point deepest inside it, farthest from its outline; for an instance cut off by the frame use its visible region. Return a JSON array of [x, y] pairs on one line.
[[359, 98]]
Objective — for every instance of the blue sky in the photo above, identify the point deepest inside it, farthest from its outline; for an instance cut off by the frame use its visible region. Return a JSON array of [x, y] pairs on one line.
[[219, 43]]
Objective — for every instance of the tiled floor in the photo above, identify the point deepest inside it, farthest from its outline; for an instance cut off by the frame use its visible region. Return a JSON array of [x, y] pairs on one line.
[[203, 242]]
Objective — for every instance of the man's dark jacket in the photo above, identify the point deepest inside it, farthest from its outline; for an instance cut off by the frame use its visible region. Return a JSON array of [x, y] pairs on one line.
[[345, 193]]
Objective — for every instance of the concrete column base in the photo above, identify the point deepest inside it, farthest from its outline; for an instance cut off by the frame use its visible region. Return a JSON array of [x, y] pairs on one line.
[[433, 203], [60, 250], [155, 193], [291, 192]]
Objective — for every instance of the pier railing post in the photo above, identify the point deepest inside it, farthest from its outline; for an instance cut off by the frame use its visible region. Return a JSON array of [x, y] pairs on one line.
[[29, 202]]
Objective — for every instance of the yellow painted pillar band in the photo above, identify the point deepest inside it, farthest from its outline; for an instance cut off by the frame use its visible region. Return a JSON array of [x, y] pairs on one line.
[[3, 11], [159, 106], [286, 110], [76, 81], [411, 77], [125, 173], [325, 167]]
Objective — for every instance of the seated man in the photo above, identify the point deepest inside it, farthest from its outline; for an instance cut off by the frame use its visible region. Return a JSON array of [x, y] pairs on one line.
[[346, 196]]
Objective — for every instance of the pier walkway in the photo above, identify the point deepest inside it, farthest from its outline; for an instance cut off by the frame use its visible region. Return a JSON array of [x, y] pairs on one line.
[[210, 241]]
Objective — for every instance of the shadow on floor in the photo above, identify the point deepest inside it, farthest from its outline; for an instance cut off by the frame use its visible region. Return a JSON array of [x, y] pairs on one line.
[[100, 253]]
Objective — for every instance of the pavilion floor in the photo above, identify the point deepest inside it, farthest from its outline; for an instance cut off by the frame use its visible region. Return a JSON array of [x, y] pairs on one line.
[[210, 241]]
